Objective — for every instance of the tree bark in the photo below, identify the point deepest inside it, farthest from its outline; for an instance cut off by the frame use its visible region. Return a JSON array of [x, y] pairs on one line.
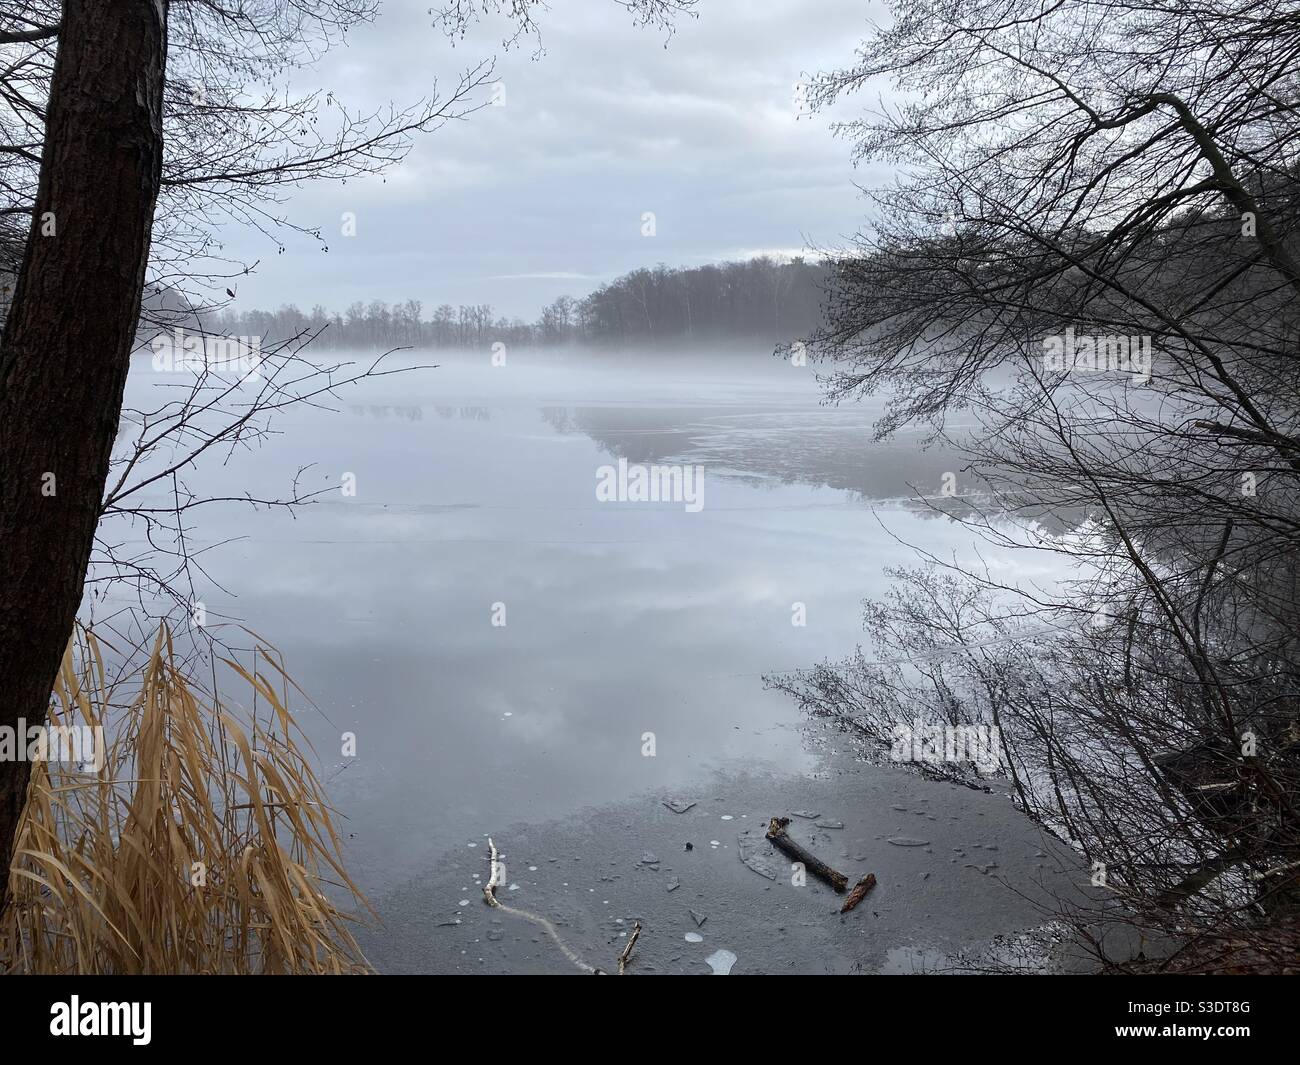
[[67, 342]]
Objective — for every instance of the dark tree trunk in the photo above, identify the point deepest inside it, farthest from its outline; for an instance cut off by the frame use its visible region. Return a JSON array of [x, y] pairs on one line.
[[68, 339]]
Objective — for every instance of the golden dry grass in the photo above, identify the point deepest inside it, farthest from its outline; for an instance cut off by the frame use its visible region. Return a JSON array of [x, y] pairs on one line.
[[203, 844]]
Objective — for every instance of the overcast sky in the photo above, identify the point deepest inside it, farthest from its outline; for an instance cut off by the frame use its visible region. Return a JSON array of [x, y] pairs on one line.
[[544, 196]]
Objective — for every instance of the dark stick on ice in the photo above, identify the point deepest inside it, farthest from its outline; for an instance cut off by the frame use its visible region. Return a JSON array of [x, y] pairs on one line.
[[859, 892], [781, 840]]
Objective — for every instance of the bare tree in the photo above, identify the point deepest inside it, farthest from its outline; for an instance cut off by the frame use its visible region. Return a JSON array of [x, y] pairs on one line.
[[1090, 250], [62, 371]]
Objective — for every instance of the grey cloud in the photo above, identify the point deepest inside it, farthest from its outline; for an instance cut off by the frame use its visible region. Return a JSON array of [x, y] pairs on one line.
[[544, 196]]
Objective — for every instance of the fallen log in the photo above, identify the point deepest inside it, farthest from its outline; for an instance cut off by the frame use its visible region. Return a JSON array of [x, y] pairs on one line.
[[781, 840], [859, 892]]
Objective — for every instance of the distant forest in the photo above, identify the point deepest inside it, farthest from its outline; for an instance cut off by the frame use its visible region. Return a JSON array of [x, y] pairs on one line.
[[761, 299]]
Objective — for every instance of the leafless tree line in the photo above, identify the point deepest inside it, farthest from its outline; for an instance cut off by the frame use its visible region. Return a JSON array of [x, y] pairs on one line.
[[758, 299]]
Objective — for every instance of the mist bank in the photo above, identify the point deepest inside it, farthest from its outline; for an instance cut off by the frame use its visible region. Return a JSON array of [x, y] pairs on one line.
[[758, 300]]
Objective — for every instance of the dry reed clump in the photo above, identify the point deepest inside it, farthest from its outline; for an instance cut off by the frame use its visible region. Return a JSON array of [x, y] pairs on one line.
[[202, 844]]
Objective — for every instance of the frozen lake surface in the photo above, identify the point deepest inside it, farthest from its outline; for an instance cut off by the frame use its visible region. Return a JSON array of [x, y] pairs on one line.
[[504, 646]]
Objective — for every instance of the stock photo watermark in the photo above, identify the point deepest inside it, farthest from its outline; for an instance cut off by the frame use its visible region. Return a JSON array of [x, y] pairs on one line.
[[635, 483], [934, 744], [80, 745], [1091, 353], [181, 352]]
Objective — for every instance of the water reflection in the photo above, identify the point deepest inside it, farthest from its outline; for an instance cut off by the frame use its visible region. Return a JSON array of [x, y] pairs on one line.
[[475, 503]]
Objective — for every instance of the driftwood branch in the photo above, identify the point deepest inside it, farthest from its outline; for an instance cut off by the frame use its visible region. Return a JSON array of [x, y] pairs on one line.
[[627, 951], [497, 878], [781, 840], [859, 892], [494, 881]]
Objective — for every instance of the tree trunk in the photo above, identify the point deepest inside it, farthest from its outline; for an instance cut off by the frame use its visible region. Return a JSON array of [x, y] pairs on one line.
[[68, 339]]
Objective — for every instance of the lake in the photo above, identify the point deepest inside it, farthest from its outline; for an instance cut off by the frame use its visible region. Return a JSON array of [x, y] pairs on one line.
[[508, 648]]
